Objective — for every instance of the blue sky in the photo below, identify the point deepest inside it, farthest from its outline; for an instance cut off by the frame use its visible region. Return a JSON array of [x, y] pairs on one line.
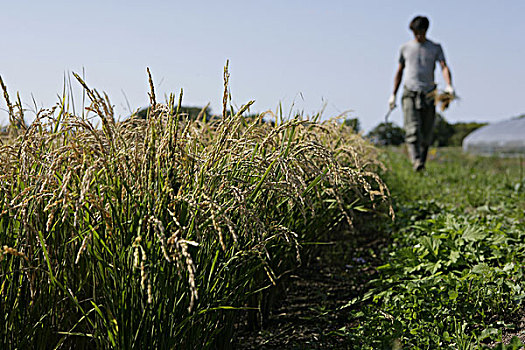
[[303, 54]]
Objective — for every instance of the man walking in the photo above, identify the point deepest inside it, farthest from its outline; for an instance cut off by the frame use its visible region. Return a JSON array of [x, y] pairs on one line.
[[418, 57]]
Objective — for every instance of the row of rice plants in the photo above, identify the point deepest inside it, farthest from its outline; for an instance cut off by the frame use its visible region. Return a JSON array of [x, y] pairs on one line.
[[155, 233]]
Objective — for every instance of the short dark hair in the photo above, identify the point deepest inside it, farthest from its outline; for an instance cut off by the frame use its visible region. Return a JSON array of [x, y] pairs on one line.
[[419, 23]]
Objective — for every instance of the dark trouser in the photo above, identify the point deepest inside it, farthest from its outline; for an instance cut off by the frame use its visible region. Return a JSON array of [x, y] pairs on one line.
[[420, 113]]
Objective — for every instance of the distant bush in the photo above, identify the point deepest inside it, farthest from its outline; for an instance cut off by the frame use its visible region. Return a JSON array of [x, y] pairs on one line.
[[446, 134], [353, 123], [443, 131], [387, 134], [192, 113], [461, 130]]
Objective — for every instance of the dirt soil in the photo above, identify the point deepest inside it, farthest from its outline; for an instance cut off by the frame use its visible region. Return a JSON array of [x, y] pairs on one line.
[[310, 315]]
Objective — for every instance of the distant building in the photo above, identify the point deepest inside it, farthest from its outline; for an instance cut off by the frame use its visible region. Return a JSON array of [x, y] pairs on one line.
[[506, 138]]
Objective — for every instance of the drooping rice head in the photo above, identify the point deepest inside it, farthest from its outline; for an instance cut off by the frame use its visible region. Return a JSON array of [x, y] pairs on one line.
[[445, 99]]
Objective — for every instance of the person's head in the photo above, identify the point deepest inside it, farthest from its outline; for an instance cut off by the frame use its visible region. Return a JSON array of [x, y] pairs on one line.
[[419, 26]]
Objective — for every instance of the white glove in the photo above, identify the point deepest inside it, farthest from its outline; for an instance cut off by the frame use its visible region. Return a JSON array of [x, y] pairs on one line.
[[450, 90], [392, 102]]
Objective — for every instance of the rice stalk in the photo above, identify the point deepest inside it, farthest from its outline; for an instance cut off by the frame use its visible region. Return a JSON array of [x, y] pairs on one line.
[[164, 225]]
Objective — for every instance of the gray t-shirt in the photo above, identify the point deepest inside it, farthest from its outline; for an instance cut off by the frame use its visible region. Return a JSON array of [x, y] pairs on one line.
[[420, 60]]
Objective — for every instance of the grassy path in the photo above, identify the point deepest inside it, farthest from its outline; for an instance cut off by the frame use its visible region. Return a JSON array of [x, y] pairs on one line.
[[453, 277], [450, 277]]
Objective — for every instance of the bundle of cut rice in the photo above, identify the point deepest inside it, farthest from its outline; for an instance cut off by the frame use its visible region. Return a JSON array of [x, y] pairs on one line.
[[444, 99]]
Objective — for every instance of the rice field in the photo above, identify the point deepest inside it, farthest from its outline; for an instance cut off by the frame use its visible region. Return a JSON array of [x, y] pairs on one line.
[[162, 232]]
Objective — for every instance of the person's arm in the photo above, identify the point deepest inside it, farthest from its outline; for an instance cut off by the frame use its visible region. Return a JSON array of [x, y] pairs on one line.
[[447, 76], [397, 82], [398, 77]]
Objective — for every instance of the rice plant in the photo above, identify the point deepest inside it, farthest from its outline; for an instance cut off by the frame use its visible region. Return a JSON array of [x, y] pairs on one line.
[[156, 232]]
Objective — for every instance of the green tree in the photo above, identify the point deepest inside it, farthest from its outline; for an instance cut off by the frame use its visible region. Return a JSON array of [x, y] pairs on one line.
[[443, 131], [191, 112], [461, 130], [446, 134], [353, 123], [387, 134]]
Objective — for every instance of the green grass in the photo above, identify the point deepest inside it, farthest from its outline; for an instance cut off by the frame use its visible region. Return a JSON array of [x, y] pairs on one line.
[[453, 275]]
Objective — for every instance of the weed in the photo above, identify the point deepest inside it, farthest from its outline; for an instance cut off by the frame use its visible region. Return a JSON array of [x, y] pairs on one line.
[[454, 275]]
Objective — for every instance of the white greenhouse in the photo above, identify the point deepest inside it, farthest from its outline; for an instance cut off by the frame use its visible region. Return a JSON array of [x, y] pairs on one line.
[[506, 138]]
